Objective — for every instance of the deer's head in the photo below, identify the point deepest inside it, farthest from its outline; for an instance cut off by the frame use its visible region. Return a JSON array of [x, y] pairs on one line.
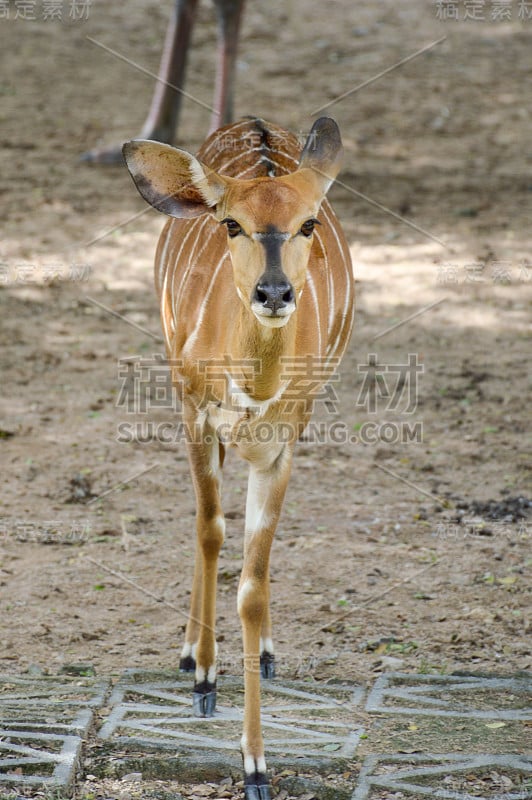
[[269, 221]]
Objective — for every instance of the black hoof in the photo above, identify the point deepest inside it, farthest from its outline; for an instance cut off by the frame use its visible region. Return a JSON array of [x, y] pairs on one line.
[[204, 699], [267, 665], [257, 788], [187, 664]]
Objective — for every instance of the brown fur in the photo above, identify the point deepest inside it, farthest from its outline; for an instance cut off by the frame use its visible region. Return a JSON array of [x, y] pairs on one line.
[[205, 282]]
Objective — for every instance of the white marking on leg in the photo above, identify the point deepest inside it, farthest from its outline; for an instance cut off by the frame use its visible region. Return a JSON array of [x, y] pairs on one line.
[[200, 674], [251, 766], [266, 645], [189, 650], [246, 589], [219, 523], [257, 517], [209, 673], [215, 463]]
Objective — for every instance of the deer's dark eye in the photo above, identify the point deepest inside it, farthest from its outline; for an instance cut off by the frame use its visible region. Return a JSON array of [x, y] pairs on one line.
[[233, 228], [308, 227]]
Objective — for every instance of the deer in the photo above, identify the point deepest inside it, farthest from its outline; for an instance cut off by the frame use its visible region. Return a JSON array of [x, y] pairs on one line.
[[255, 282], [162, 119]]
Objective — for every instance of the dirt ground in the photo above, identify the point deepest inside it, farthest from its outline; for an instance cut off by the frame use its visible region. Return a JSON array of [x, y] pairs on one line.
[[408, 541]]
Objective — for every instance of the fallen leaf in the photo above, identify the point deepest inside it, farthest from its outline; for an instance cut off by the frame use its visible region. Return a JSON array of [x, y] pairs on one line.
[[509, 580]]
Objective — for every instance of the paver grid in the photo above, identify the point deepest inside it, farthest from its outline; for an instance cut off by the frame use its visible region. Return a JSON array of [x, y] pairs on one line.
[[452, 696], [316, 728], [43, 723], [417, 776], [455, 697], [148, 726]]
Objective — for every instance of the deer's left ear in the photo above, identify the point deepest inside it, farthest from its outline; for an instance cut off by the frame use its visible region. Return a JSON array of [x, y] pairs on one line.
[[323, 152], [172, 180]]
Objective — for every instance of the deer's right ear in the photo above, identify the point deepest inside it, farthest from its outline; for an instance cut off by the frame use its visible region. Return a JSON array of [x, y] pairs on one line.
[[171, 180]]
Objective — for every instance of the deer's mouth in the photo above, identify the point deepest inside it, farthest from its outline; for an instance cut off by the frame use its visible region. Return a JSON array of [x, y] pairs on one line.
[[273, 319]]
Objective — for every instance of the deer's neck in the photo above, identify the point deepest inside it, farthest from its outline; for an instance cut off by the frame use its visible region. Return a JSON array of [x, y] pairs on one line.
[[268, 351]]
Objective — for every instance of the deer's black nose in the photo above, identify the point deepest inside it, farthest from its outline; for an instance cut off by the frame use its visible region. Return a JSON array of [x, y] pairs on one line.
[[273, 295]]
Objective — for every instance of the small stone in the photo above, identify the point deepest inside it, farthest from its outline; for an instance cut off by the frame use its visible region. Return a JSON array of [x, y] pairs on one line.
[[132, 777], [202, 790], [35, 669], [390, 664]]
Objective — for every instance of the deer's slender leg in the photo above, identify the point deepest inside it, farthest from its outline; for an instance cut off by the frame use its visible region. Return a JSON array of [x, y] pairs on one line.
[[188, 653], [267, 658], [268, 479], [204, 459], [163, 116], [229, 13]]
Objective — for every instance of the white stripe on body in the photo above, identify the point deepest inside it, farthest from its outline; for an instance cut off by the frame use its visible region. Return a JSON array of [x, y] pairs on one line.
[[216, 140], [330, 286], [193, 336], [162, 259], [312, 288], [199, 224]]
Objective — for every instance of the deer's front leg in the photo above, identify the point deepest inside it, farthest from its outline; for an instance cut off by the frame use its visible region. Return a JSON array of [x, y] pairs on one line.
[[200, 642], [268, 479]]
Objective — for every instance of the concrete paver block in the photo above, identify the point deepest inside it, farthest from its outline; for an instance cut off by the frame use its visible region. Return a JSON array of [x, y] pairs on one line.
[[450, 777], [43, 721], [452, 696], [38, 759], [312, 727]]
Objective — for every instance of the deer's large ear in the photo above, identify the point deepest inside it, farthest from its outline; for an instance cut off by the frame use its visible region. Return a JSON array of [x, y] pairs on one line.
[[171, 180], [323, 152]]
